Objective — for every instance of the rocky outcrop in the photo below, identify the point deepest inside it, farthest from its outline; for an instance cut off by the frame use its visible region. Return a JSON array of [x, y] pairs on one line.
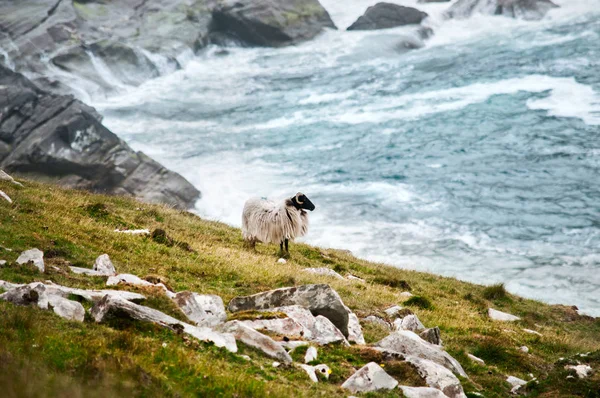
[[271, 23], [33, 256], [369, 378], [319, 299], [521, 9], [387, 15], [49, 136]]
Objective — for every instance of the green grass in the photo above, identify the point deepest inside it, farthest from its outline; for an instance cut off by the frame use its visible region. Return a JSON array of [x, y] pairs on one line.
[[44, 355]]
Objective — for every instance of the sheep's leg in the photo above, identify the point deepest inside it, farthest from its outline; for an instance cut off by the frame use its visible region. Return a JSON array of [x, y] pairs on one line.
[[250, 243], [281, 247], [286, 246]]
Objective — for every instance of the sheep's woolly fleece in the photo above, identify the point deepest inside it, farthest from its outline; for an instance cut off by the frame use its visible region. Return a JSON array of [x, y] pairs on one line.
[[270, 222]]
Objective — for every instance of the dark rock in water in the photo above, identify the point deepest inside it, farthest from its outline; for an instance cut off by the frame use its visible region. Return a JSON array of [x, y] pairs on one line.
[[387, 15], [49, 136], [271, 23], [521, 9]]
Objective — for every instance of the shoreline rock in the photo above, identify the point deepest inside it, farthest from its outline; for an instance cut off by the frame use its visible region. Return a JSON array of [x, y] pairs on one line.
[[388, 15]]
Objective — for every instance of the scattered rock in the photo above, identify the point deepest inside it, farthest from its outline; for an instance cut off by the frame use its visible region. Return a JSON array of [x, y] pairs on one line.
[[515, 383], [310, 371], [311, 355], [133, 231], [285, 327], [104, 266], [323, 271], [408, 343], [325, 332], [292, 345], [319, 299], [2, 262], [524, 349], [582, 371], [422, 392], [501, 316], [521, 9], [532, 332], [276, 364], [257, 340], [246, 357], [35, 256], [355, 278], [432, 335], [282, 261], [355, 333], [63, 307], [387, 15], [370, 377], [409, 322], [135, 280], [437, 376], [405, 295], [203, 309], [393, 311], [476, 359], [85, 271], [6, 177], [109, 307], [323, 371], [377, 320], [5, 196], [271, 23]]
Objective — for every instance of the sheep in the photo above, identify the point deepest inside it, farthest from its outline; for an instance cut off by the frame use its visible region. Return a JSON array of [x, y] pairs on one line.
[[270, 222]]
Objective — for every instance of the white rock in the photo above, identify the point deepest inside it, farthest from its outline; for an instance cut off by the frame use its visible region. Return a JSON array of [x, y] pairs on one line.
[[292, 345], [133, 231], [476, 359], [369, 378], [203, 309], [6, 177], [36, 256], [326, 332], [322, 370], [136, 280], [2, 262], [377, 320], [276, 364], [408, 343], [409, 322], [5, 196], [311, 355], [532, 332], [422, 392], [393, 311], [405, 295], [355, 333], [284, 326], [515, 381], [310, 371], [85, 271], [355, 278], [104, 266], [282, 261], [246, 357], [524, 349], [68, 309], [582, 371], [8, 285], [324, 271], [257, 340], [501, 316], [437, 376]]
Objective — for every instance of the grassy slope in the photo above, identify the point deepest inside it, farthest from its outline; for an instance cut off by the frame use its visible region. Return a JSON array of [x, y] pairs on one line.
[[43, 355]]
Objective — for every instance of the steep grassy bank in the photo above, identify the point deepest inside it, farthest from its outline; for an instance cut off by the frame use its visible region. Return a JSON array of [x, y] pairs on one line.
[[43, 355]]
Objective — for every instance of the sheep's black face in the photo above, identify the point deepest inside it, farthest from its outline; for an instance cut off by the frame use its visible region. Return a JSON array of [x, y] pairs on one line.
[[302, 202]]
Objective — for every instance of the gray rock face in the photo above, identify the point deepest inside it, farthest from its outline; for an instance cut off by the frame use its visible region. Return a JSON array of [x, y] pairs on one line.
[[521, 9], [408, 343], [43, 135], [437, 376], [369, 378], [387, 15], [35, 256], [104, 266], [355, 333], [422, 392], [271, 23], [116, 307], [285, 327], [319, 299], [409, 322], [432, 335], [204, 309], [257, 340], [68, 309]]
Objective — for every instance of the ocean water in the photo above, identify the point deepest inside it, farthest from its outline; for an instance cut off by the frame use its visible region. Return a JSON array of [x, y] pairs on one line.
[[477, 156]]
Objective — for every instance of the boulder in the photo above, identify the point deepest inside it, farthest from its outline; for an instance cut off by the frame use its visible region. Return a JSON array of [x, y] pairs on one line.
[[34, 256], [325, 332], [421, 392], [285, 327], [408, 343], [515, 383], [521, 9], [271, 23], [432, 335], [68, 309], [109, 307], [393, 311], [409, 322], [387, 15], [323, 271], [370, 377], [203, 309], [319, 299], [377, 320], [437, 376], [355, 333], [256, 340], [311, 355], [496, 315], [43, 135], [104, 266]]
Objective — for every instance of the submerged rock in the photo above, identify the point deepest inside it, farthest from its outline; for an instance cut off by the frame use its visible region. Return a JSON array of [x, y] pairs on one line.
[[34, 256], [52, 136], [521, 9], [387, 15], [271, 23], [370, 377]]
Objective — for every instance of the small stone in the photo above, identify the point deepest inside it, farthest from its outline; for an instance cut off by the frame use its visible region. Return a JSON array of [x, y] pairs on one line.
[[377, 320], [582, 371], [501, 316], [2, 262], [104, 266], [476, 359], [285, 326], [393, 311], [36, 256], [5, 177], [310, 371], [515, 383], [136, 280], [84, 271], [524, 349], [405, 295], [437, 376], [246, 357], [422, 392], [311, 355], [282, 261], [355, 278], [370, 377], [409, 322], [68, 309], [327, 333], [292, 345], [355, 333], [532, 332], [323, 271], [164, 345], [5, 196], [276, 364], [133, 231]]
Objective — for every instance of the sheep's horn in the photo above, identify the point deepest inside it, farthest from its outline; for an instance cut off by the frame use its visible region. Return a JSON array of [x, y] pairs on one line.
[[298, 198]]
